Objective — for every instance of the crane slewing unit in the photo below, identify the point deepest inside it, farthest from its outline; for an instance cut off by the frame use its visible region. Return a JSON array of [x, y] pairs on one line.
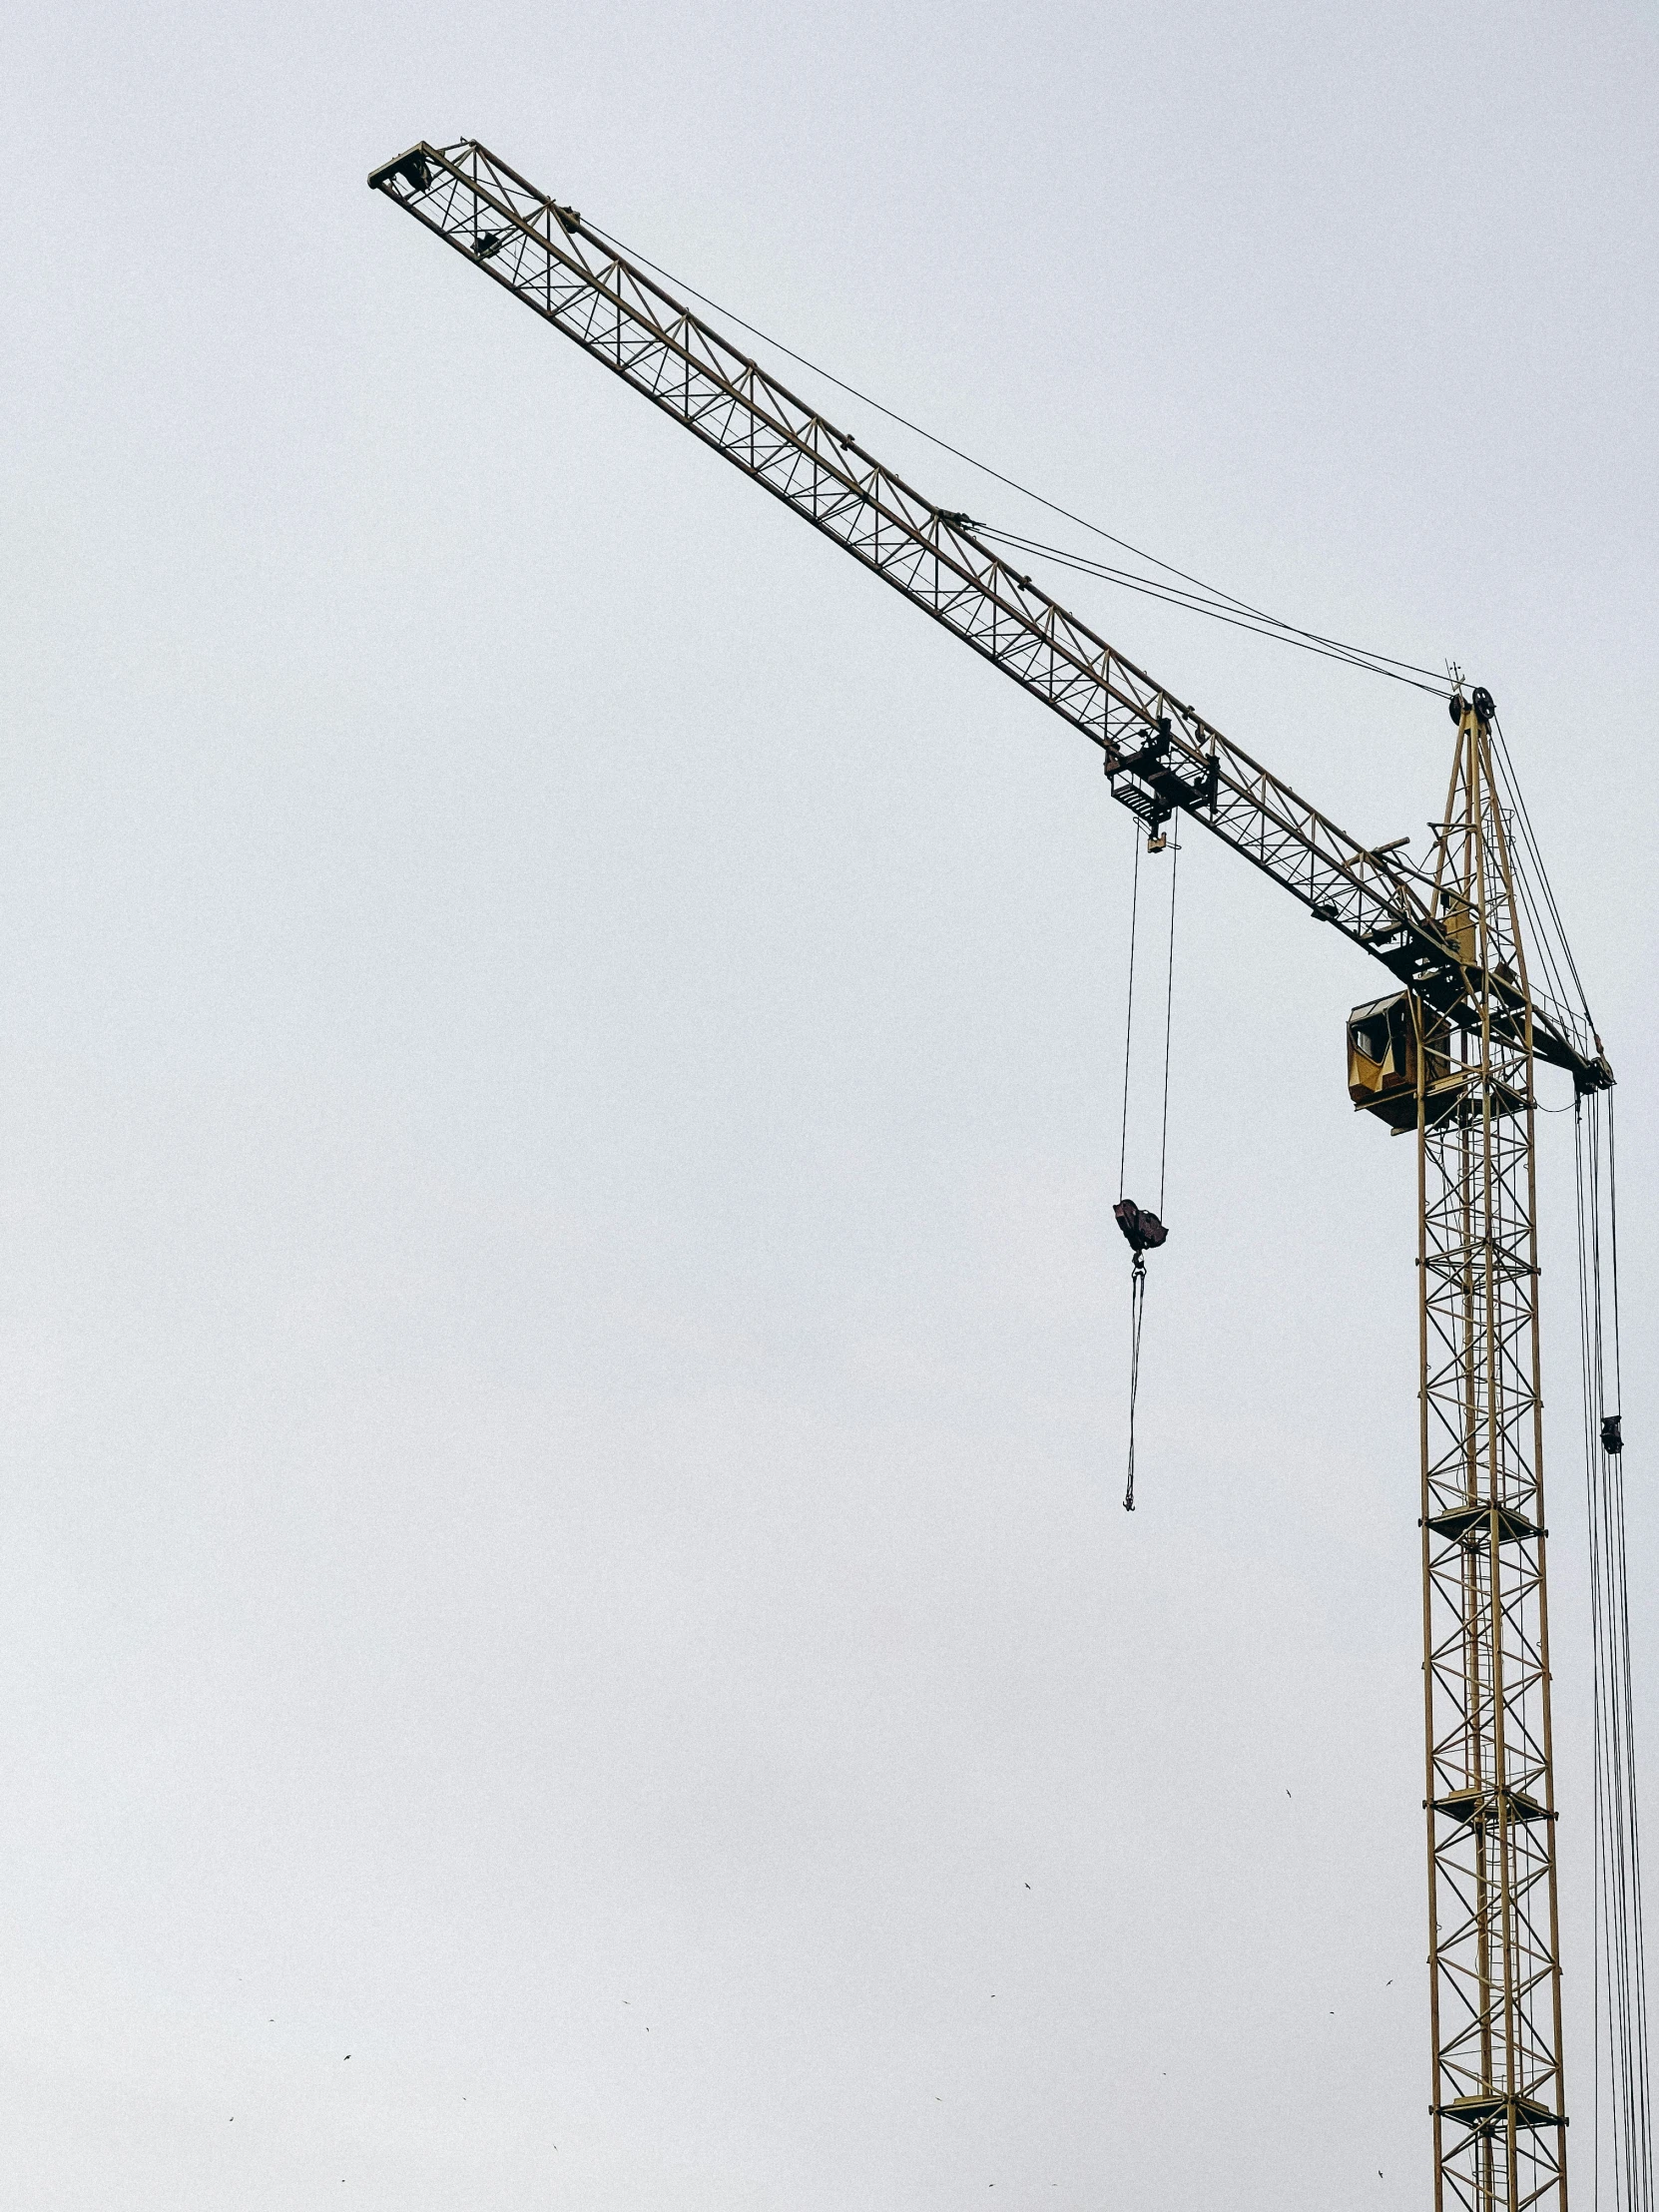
[[1450, 1054]]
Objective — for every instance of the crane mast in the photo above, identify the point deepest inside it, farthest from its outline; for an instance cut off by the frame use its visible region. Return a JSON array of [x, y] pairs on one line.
[[1451, 1056], [1493, 1933]]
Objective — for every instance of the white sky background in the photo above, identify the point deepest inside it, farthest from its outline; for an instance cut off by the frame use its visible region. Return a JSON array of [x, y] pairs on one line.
[[562, 1347]]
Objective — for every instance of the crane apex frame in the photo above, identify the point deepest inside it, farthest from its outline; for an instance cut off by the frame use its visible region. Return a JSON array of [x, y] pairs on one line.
[[1451, 1056]]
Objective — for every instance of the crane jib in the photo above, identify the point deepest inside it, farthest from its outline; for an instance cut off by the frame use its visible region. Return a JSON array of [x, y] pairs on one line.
[[1162, 756]]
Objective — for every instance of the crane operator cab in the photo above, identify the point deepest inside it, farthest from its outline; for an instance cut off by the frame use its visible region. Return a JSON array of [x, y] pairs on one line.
[[1382, 1061]]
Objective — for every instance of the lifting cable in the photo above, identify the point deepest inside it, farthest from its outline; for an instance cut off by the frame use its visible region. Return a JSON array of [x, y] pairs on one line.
[[1143, 1227], [1624, 2125], [1129, 1005], [1169, 1015]]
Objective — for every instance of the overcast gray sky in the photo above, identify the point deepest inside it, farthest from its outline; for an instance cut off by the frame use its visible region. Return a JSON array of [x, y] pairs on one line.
[[560, 1341]]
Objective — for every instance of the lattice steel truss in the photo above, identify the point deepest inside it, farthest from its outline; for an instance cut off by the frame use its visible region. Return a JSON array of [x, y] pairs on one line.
[[1451, 935], [1500, 2125]]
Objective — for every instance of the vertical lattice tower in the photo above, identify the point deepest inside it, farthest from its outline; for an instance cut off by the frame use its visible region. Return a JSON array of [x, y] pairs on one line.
[[1494, 1957]]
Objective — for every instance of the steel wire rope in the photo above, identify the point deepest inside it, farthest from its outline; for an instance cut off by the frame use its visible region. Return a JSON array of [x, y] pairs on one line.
[[1546, 932], [1595, 1644], [1613, 1240], [1129, 1009], [1619, 2007], [1598, 1807], [1639, 2118], [1555, 996], [1517, 800], [1223, 606], [1612, 1735], [1169, 1019], [1137, 1273]]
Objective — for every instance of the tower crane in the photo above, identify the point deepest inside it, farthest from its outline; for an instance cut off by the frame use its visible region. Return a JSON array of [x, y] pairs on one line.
[[1448, 1051]]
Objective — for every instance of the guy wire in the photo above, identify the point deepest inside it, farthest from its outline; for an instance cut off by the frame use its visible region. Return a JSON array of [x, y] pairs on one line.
[[1198, 598]]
